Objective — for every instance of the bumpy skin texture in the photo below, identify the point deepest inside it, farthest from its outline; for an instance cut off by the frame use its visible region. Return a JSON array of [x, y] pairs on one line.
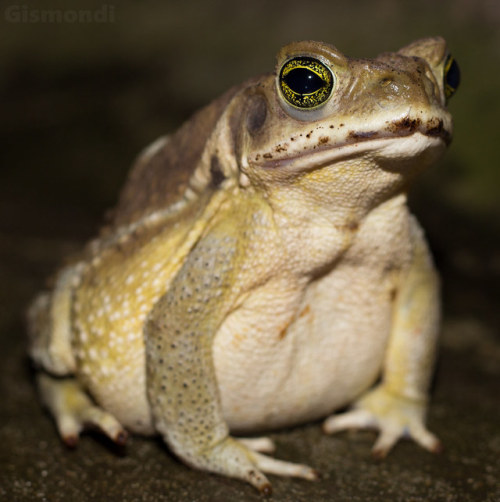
[[261, 270]]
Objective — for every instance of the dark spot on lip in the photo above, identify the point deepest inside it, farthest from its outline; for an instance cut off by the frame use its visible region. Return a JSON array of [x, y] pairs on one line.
[[323, 140], [268, 156], [361, 135], [406, 125], [435, 130]]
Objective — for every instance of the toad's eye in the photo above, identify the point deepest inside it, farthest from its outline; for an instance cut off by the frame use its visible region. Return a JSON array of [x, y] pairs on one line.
[[451, 77], [306, 82]]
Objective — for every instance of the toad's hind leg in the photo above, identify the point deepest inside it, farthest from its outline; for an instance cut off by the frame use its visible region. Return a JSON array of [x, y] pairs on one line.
[[49, 327], [74, 411]]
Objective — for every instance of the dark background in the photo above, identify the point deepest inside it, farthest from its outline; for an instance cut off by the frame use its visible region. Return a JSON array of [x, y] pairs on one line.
[[79, 100]]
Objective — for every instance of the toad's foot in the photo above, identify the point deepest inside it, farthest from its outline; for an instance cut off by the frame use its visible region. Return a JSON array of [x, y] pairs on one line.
[[261, 445], [394, 416], [232, 457], [74, 412]]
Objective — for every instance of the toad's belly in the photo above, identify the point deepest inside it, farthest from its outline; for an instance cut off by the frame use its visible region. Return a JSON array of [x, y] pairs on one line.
[[331, 353], [271, 376]]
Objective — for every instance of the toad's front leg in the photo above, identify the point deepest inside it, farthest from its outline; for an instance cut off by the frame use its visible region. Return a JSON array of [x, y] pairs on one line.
[[397, 406], [181, 381]]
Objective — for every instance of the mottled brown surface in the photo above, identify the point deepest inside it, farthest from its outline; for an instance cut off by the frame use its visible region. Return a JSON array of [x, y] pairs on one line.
[[161, 182], [79, 101]]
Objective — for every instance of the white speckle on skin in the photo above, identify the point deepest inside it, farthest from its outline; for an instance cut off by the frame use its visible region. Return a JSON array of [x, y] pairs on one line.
[[96, 261], [96, 331]]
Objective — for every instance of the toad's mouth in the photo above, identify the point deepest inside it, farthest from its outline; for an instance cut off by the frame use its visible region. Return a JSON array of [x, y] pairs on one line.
[[403, 138], [433, 128]]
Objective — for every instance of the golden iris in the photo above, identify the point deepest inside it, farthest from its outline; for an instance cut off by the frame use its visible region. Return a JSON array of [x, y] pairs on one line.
[[305, 82]]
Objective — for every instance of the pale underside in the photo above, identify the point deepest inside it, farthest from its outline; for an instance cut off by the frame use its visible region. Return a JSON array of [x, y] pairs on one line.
[[271, 371]]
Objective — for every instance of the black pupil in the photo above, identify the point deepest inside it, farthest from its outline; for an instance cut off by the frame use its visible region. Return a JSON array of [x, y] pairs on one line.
[[303, 81], [453, 75]]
